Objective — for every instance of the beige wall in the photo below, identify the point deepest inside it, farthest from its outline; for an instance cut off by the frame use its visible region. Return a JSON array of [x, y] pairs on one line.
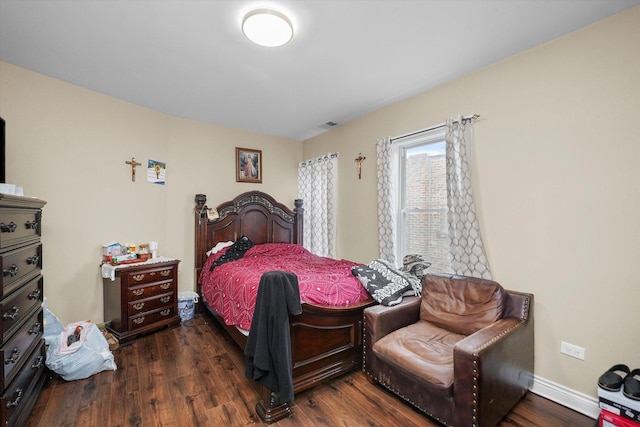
[[556, 183], [68, 145]]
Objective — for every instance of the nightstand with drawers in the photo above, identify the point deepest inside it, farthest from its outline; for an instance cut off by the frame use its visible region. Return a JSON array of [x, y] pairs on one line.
[[142, 298]]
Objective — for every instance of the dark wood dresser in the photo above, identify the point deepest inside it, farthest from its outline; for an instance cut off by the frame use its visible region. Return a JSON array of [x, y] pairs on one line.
[[142, 298], [23, 349]]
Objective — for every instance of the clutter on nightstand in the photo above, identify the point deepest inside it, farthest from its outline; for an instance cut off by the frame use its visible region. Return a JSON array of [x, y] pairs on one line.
[[143, 252], [115, 253]]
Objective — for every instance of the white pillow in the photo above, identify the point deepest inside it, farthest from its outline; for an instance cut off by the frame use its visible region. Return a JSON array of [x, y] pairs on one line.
[[219, 246]]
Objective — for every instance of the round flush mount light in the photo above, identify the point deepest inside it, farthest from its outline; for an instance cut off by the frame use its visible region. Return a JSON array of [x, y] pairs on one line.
[[267, 27]]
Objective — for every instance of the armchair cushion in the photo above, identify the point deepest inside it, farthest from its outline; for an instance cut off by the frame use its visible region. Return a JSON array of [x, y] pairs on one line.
[[422, 349], [461, 305]]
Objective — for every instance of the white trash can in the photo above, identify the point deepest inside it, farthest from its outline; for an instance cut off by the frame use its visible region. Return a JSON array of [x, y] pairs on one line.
[[187, 304]]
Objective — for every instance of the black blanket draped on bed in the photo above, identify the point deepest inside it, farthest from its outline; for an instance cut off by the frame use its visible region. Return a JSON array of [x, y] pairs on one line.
[[268, 349], [235, 252]]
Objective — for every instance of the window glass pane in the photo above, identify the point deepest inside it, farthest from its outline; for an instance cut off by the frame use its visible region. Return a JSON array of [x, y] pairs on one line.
[[425, 185], [424, 204]]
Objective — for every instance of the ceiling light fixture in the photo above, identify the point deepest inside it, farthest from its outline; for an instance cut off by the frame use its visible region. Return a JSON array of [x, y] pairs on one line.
[[267, 27]]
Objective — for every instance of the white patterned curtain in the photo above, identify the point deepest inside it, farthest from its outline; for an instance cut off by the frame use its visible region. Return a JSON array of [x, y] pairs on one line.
[[387, 220], [467, 251], [317, 187]]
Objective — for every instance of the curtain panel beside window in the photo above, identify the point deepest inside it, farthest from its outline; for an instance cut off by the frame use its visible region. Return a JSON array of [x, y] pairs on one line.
[[317, 187], [468, 256], [387, 207]]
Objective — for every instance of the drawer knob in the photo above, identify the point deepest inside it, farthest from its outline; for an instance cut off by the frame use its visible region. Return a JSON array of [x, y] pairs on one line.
[[35, 329], [165, 299], [165, 273], [13, 314], [33, 259], [138, 320], [15, 355], [138, 292], [35, 294], [16, 402], [39, 363], [138, 277], [138, 306], [10, 271], [8, 228], [31, 224], [165, 312], [165, 286]]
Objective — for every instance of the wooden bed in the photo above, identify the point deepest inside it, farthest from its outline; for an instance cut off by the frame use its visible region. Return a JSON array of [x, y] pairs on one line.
[[325, 342]]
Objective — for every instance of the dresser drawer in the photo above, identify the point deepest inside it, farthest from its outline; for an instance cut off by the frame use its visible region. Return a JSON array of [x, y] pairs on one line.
[[149, 318], [19, 305], [17, 348], [148, 275], [148, 304], [141, 292], [18, 226], [19, 391], [19, 264]]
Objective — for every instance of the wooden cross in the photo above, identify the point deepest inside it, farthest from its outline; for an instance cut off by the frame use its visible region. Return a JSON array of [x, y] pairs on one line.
[[359, 161], [133, 164]]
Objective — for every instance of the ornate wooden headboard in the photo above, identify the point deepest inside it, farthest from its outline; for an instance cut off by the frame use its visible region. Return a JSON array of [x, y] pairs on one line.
[[254, 214]]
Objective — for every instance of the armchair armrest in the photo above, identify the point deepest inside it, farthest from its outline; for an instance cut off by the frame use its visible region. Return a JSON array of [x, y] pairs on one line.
[[380, 320], [493, 369]]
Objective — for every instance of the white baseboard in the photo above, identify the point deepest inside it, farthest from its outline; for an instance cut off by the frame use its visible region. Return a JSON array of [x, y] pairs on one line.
[[564, 396]]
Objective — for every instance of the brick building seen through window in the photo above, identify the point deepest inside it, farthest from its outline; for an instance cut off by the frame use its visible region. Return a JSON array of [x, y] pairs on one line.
[[424, 205]]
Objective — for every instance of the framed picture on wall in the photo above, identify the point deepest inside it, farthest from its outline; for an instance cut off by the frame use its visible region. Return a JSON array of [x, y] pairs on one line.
[[248, 165]]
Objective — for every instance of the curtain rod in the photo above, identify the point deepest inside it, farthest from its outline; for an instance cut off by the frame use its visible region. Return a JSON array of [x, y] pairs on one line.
[[319, 158], [441, 125]]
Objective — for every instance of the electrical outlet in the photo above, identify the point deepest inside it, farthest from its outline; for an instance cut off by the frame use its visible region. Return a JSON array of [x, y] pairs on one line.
[[572, 350]]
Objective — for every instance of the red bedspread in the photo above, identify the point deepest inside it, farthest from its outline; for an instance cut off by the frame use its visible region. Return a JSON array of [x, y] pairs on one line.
[[231, 288]]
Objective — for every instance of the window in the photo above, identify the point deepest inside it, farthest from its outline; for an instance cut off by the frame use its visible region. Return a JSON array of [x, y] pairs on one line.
[[422, 198]]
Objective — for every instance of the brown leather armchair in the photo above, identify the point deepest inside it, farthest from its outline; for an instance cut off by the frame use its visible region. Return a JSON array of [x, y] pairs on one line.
[[462, 353]]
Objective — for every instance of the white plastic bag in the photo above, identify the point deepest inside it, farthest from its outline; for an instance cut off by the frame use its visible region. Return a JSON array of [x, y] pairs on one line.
[[52, 326], [73, 336], [81, 358]]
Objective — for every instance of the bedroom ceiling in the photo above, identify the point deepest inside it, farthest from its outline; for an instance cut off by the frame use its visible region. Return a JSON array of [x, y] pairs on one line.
[[189, 58]]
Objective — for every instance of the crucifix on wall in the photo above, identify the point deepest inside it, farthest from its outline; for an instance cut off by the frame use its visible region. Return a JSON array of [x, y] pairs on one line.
[[133, 164], [359, 161]]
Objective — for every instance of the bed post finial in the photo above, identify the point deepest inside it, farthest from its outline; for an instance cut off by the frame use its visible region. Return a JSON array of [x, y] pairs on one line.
[[201, 199], [299, 212]]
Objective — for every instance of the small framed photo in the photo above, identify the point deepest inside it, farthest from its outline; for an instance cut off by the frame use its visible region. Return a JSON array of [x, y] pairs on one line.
[[248, 165]]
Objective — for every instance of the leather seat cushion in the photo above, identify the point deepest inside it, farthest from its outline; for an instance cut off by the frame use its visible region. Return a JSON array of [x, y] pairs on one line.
[[461, 306], [423, 350]]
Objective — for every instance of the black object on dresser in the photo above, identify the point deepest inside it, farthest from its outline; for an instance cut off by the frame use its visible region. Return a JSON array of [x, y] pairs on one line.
[[142, 298], [23, 348]]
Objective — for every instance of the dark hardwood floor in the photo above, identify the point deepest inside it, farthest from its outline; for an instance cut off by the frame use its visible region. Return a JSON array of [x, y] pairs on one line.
[[192, 375]]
